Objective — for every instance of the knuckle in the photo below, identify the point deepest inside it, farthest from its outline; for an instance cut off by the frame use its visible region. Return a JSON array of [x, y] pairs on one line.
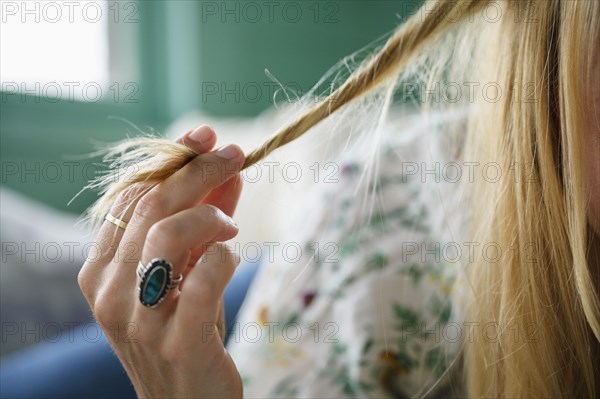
[[210, 213], [102, 250], [151, 204], [165, 231], [128, 197], [111, 308], [104, 309]]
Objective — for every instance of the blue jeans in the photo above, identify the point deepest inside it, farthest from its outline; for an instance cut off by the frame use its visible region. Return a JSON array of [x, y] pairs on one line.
[[81, 364]]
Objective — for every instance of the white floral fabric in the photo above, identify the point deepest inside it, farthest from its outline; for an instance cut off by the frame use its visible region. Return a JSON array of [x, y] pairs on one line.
[[370, 308]]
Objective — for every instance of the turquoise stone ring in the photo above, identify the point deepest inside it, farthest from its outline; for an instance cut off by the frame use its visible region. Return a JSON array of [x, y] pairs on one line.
[[155, 280]]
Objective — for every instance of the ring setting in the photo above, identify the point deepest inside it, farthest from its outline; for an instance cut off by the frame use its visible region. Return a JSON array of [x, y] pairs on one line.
[[155, 280]]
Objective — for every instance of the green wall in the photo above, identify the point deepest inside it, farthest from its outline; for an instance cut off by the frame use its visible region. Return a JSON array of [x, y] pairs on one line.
[[299, 43]]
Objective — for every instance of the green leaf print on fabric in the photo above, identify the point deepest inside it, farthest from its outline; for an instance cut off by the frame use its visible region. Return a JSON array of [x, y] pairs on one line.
[[435, 360], [377, 221], [441, 307], [405, 216], [338, 370], [405, 314], [414, 222], [415, 271], [376, 262], [286, 388], [348, 248], [367, 346]]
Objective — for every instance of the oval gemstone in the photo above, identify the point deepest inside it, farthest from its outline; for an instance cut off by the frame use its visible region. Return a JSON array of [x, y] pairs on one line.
[[155, 285]]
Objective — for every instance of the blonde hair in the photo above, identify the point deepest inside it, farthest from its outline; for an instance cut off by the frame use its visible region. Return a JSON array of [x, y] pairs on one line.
[[542, 289], [540, 296]]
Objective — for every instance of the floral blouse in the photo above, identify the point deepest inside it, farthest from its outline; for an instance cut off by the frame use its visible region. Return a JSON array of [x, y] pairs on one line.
[[367, 307]]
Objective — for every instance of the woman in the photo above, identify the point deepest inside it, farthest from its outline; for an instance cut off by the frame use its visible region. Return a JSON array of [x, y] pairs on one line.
[[532, 116]]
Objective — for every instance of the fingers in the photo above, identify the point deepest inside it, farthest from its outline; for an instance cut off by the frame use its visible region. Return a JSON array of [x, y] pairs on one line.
[[225, 197], [176, 237], [172, 221], [104, 249], [202, 139], [110, 235], [190, 185], [186, 188], [199, 303], [107, 246]]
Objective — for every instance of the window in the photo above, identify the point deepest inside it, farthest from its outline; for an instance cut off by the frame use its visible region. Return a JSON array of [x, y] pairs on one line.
[[55, 49]]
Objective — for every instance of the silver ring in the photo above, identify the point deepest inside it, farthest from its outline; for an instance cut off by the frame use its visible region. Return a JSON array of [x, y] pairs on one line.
[[155, 280]]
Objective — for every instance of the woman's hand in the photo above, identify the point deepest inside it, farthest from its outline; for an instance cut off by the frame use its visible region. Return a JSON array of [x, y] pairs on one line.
[[175, 349]]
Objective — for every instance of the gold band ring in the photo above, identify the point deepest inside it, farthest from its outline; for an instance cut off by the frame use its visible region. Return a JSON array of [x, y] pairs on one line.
[[117, 222]]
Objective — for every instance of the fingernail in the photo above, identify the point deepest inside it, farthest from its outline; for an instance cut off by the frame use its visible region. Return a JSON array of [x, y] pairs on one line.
[[202, 134], [227, 152], [232, 222]]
